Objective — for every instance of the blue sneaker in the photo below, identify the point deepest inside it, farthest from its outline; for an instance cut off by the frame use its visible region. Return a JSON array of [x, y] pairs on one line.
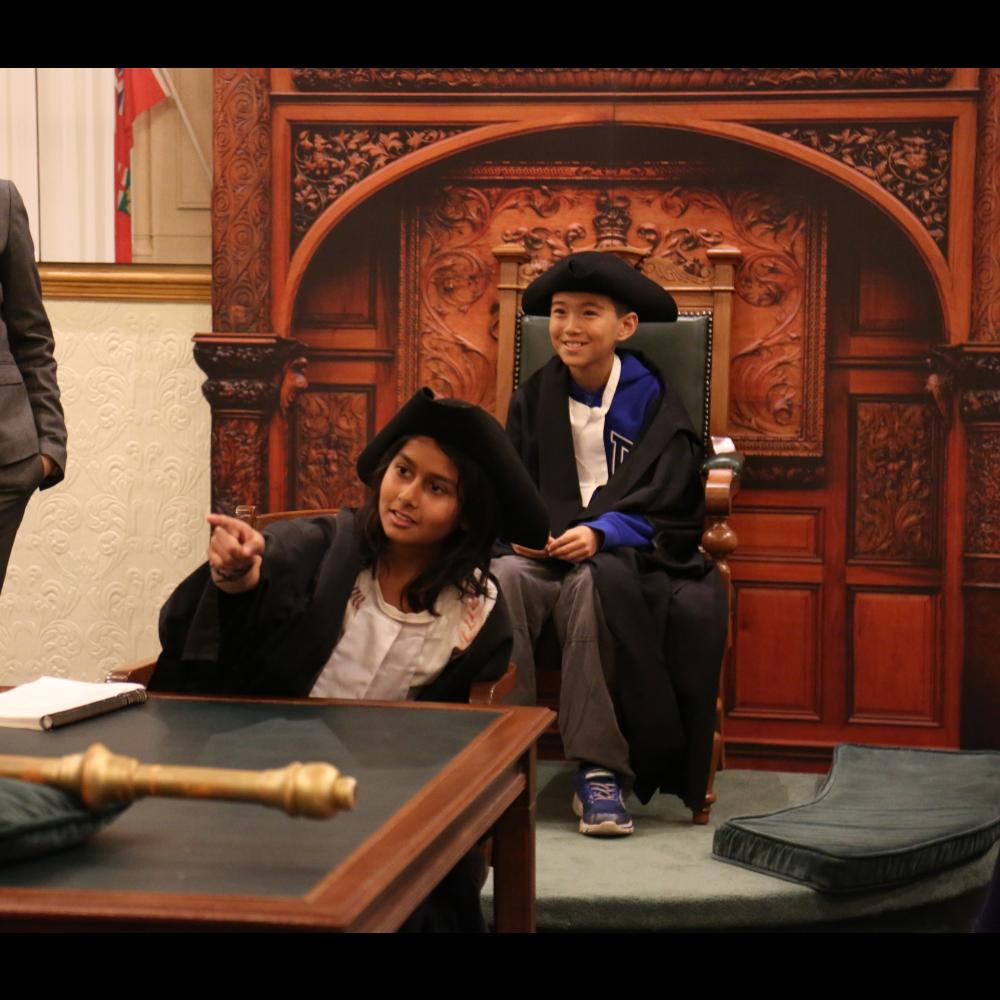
[[599, 803]]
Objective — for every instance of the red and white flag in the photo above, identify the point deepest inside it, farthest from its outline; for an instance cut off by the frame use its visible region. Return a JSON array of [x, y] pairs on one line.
[[136, 90]]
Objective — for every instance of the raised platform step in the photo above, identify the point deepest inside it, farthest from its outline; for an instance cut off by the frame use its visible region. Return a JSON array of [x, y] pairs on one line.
[[663, 877]]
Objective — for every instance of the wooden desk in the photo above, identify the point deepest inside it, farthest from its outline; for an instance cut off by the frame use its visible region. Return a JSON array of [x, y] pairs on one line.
[[432, 781]]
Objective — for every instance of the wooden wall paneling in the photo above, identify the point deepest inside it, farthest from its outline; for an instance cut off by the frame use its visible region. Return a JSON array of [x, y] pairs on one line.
[[978, 377], [785, 534], [981, 591], [776, 674], [894, 671], [986, 293], [876, 351]]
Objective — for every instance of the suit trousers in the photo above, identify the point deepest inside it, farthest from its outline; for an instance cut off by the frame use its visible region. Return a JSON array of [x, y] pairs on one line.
[[535, 590], [18, 481]]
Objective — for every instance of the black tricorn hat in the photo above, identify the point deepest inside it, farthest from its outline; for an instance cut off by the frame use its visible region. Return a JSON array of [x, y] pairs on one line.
[[471, 430], [604, 274]]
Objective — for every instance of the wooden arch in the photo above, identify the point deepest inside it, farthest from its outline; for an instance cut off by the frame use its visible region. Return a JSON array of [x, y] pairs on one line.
[[287, 282]]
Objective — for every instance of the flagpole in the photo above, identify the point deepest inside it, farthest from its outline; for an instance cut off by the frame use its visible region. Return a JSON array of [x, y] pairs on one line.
[[164, 77]]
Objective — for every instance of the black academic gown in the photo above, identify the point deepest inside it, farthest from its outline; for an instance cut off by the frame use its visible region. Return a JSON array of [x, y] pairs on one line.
[[275, 640], [665, 605]]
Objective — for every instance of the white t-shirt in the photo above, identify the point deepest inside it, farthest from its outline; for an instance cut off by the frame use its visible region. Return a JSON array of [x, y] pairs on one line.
[[388, 654], [587, 425]]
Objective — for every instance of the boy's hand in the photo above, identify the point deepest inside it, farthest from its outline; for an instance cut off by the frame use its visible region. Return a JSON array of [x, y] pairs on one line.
[[235, 552], [575, 544]]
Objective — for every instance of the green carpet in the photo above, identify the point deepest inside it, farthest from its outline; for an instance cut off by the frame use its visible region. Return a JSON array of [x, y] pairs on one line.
[[664, 878]]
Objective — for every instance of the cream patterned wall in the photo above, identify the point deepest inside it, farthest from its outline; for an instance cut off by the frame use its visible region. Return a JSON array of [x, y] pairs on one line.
[[98, 554]]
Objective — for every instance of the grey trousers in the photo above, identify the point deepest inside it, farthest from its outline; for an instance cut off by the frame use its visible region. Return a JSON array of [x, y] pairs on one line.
[[535, 590], [18, 481]]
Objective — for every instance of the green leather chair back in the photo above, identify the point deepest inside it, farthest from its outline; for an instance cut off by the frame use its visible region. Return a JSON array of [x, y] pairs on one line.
[[681, 350]]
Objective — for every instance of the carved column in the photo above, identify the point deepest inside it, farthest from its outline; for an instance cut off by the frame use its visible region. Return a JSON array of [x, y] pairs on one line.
[[249, 376], [974, 371], [249, 369], [986, 238]]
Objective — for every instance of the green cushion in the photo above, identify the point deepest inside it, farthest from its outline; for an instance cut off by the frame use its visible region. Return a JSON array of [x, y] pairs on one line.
[[37, 819], [682, 351], [885, 815]]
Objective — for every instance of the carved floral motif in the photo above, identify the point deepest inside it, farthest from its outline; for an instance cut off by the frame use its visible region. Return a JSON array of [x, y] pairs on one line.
[[239, 460], [910, 161], [241, 201], [897, 466], [328, 160], [456, 305], [330, 431], [615, 79], [241, 393], [986, 236], [982, 528]]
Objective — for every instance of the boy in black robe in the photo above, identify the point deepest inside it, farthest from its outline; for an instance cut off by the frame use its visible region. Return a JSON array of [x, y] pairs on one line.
[[639, 609]]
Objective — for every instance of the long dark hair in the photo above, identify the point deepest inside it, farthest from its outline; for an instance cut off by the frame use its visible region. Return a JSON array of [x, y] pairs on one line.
[[463, 553]]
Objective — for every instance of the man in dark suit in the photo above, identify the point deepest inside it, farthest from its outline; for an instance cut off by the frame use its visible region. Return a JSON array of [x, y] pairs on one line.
[[32, 429]]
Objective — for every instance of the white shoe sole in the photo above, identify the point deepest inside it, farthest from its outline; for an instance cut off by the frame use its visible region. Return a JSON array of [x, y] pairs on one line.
[[609, 828]]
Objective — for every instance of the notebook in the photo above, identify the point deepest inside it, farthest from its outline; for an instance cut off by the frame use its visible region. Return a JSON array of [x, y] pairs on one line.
[[55, 701]]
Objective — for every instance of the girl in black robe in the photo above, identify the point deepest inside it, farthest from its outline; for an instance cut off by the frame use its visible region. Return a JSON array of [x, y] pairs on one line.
[[265, 615]]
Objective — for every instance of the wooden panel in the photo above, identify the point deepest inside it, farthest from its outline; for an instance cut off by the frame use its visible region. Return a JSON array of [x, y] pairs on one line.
[[791, 534], [891, 297], [895, 489], [340, 285], [332, 425], [330, 343], [776, 671], [894, 662]]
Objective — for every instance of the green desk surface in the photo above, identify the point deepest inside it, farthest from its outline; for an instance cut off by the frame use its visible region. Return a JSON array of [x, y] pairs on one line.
[[176, 846]]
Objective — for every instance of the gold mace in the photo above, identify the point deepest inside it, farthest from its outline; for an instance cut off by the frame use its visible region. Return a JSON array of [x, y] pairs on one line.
[[99, 776]]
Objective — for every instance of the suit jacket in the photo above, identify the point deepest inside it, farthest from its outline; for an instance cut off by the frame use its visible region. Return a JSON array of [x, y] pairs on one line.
[[31, 416]]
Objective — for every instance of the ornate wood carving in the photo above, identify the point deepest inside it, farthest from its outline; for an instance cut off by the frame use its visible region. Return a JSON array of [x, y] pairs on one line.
[[982, 528], [239, 461], [777, 357], [897, 465], [328, 160], [241, 201], [240, 393], [331, 428], [986, 237], [981, 404], [911, 161], [458, 80], [974, 373], [784, 473], [246, 380]]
